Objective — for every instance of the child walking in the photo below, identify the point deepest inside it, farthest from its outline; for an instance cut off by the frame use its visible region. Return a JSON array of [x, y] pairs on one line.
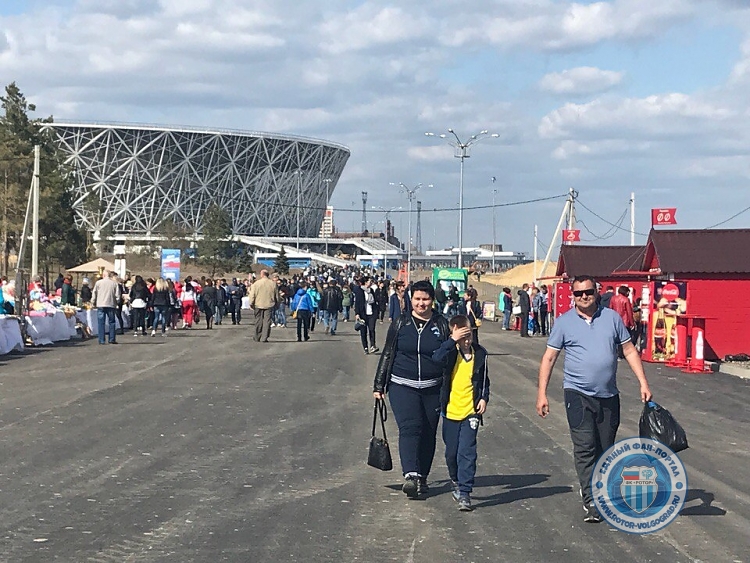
[[463, 401]]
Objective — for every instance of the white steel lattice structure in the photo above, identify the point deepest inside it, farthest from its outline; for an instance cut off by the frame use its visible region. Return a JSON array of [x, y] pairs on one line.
[[138, 178]]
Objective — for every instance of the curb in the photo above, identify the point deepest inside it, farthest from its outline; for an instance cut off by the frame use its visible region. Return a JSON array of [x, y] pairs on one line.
[[737, 371]]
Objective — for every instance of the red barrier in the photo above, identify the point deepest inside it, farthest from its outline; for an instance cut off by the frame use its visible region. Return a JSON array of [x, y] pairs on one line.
[[680, 347]]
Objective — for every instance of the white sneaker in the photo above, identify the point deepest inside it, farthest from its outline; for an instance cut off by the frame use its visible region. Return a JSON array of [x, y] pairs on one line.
[[153, 333]]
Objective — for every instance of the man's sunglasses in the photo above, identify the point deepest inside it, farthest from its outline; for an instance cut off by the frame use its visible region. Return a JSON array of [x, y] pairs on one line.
[[582, 292]]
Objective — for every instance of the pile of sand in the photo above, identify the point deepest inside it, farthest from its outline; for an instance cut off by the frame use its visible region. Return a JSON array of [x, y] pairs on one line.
[[520, 275]]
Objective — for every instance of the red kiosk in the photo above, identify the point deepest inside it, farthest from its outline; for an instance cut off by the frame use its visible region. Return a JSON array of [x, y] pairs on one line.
[[694, 286], [699, 280], [599, 262]]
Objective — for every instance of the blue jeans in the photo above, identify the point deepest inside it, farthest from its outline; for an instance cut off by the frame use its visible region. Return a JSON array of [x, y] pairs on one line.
[[507, 313], [104, 314], [347, 308], [417, 413], [160, 314], [331, 320], [461, 451], [219, 312], [280, 315]]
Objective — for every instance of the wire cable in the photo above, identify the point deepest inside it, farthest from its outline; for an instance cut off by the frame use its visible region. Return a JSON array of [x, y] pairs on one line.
[[594, 213], [727, 220]]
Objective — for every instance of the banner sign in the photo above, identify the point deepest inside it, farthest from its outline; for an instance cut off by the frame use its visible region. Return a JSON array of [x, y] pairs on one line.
[[664, 216], [571, 236], [170, 264]]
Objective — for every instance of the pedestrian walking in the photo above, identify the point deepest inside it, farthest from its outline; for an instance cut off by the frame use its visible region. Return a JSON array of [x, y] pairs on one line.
[[209, 298], [139, 298], [105, 297], [544, 311], [332, 300], [264, 297], [160, 302], [463, 400], [302, 308], [412, 379], [365, 311], [590, 335], [524, 303]]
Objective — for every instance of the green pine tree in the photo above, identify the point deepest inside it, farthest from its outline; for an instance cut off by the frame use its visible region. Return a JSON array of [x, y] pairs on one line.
[[61, 242], [244, 260], [281, 266], [215, 250]]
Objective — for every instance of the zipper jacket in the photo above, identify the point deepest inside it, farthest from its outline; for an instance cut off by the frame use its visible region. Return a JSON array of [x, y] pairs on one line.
[[447, 354], [407, 353]]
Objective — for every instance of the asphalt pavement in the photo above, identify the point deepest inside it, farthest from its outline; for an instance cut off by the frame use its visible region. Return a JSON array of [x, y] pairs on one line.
[[208, 446]]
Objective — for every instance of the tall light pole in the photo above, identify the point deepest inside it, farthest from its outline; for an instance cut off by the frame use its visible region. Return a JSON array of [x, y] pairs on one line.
[[410, 193], [462, 152], [385, 246], [298, 173], [494, 230], [326, 234]]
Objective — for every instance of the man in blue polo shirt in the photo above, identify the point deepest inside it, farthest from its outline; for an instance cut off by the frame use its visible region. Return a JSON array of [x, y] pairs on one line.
[[590, 336]]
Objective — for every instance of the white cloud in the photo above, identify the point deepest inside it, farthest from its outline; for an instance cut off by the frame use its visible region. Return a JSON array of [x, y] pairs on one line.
[[658, 115], [580, 80], [376, 76]]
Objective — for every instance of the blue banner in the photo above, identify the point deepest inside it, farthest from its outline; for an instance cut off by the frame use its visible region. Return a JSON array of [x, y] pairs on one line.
[[170, 264]]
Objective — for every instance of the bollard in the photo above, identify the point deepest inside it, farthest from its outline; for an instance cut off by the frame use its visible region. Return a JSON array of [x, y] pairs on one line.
[[680, 346], [697, 365]]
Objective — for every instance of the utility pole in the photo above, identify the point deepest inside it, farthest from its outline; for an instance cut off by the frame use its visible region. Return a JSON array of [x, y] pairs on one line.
[[569, 210], [632, 218], [35, 222], [494, 226]]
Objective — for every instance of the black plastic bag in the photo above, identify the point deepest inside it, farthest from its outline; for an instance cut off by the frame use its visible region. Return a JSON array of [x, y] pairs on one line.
[[379, 455], [658, 424]]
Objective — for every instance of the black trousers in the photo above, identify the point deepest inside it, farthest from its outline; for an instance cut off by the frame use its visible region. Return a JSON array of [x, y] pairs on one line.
[[369, 328], [417, 413], [593, 423], [303, 323], [524, 323], [235, 306], [543, 314], [139, 319]]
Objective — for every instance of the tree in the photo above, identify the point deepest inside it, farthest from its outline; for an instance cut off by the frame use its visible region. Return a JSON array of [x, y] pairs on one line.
[[244, 261], [215, 250], [281, 266], [60, 240]]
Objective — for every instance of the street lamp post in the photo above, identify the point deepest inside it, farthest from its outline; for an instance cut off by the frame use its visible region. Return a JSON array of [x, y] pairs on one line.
[[411, 193], [462, 152], [326, 234], [298, 173]]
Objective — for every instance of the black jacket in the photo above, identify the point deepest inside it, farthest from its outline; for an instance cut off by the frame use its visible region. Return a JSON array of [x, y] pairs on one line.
[[385, 364], [523, 301], [448, 353], [332, 300]]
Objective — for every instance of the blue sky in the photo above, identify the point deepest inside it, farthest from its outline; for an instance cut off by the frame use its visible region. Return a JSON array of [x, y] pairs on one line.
[[606, 97]]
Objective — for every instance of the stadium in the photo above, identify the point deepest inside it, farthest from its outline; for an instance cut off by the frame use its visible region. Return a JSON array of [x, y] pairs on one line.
[[141, 179]]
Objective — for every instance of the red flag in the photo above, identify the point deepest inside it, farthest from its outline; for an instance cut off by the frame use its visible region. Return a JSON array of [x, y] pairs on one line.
[[664, 216], [571, 236]]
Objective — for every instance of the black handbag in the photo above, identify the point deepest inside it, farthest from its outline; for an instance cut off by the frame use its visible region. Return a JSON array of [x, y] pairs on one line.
[[379, 455]]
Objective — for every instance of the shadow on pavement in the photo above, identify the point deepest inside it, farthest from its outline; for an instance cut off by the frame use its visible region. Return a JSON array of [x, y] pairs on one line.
[[704, 508]]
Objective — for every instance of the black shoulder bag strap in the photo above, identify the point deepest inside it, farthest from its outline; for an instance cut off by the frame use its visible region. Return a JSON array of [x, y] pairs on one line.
[[382, 410]]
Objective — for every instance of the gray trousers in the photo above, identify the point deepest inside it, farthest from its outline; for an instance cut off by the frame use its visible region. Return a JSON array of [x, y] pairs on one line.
[[593, 423], [263, 323]]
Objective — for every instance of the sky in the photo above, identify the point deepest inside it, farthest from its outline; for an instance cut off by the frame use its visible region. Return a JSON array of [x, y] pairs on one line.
[[607, 98]]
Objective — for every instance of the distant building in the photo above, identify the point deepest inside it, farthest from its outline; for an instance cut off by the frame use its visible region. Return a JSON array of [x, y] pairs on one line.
[[326, 227]]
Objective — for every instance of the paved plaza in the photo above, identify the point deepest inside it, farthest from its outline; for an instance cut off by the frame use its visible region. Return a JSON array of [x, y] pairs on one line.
[[207, 446]]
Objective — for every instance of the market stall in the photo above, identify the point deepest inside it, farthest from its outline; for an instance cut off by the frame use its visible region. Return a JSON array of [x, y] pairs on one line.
[[10, 334], [46, 329], [89, 318]]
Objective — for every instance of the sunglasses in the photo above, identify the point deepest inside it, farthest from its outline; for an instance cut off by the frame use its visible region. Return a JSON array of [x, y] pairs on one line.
[[582, 292]]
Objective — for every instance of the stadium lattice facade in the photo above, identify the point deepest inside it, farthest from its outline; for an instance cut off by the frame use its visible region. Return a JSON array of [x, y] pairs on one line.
[[138, 179]]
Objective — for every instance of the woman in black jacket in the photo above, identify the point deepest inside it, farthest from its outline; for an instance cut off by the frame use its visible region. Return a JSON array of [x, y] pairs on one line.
[[412, 379], [139, 298], [160, 301], [209, 297]]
